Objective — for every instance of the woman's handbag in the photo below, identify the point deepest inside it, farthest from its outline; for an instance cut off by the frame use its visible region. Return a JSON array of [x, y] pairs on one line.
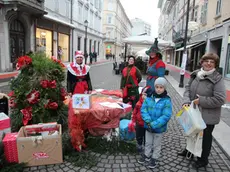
[[191, 120]]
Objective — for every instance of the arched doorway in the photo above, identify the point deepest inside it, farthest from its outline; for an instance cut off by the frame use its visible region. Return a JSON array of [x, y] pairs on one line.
[[17, 41]]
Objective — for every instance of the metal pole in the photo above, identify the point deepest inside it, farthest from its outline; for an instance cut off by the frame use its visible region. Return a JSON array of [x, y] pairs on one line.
[[185, 44], [85, 50]]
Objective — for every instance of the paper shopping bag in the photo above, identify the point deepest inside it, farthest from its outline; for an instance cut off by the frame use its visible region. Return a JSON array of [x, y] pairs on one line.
[[194, 144]]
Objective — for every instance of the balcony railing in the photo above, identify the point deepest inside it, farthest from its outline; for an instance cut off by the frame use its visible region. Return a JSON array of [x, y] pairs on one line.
[[168, 5], [31, 6]]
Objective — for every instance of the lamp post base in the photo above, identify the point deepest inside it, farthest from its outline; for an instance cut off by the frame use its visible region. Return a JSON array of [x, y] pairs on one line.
[[181, 84]]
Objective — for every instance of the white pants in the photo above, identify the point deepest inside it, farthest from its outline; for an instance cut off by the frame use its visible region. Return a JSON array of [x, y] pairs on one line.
[[153, 143]]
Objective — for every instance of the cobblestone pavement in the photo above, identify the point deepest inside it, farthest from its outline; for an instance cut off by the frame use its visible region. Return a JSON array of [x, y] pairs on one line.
[[173, 141]]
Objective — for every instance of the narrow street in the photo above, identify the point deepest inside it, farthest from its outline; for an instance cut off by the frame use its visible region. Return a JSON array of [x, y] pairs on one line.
[[103, 77]]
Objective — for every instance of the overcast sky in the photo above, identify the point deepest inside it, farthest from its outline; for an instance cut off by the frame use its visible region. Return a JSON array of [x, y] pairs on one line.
[[144, 9]]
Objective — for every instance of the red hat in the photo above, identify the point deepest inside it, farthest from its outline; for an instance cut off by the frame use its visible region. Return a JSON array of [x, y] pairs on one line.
[[79, 54], [147, 90]]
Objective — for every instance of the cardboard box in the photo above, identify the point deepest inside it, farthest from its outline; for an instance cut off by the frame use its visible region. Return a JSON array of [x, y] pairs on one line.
[[39, 150], [81, 101], [10, 147], [4, 125]]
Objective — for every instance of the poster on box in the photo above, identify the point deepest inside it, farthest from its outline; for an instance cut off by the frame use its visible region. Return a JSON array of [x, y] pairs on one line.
[[40, 150], [81, 101]]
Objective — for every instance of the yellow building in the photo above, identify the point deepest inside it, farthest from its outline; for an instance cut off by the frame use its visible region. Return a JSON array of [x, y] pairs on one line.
[[116, 26]]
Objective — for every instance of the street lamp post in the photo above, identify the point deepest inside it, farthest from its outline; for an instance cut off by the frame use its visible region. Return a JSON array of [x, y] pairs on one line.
[[85, 46], [184, 59]]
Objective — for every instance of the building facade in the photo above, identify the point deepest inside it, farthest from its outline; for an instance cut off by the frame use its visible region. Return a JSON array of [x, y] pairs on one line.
[[55, 27], [65, 29], [17, 29], [140, 27], [116, 26], [211, 34]]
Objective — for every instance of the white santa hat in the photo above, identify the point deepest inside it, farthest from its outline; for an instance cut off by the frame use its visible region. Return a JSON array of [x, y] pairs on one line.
[[78, 54]]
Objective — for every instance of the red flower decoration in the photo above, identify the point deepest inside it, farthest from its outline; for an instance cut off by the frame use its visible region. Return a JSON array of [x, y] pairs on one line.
[[58, 61], [23, 61], [51, 105], [27, 115], [44, 83], [12, 103], [63, 93], [33, 97], [52, 84], [11, 94]]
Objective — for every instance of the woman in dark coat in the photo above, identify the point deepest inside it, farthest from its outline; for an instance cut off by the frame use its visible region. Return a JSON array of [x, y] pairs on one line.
[[207, 90]]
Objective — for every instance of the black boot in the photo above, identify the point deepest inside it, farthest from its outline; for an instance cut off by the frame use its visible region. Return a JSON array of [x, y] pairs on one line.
[[183, 153], [200, 164], [186, 153]]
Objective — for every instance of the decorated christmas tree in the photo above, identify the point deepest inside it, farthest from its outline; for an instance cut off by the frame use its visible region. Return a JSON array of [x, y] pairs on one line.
[[37, 92]]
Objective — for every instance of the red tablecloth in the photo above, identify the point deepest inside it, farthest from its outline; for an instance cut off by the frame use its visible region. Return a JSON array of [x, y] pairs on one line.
[[98, 120]]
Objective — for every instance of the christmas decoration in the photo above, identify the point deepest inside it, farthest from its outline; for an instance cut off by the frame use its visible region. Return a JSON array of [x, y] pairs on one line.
[[37, 93]]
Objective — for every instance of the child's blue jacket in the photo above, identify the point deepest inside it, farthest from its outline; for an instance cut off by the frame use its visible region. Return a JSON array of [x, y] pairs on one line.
[[156, 114]]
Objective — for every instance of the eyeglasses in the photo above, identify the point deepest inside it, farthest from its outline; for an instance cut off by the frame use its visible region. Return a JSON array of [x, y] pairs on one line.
[[209, 61]]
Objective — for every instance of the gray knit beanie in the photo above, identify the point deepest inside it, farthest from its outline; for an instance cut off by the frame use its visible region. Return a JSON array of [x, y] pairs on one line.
[[161, 81]]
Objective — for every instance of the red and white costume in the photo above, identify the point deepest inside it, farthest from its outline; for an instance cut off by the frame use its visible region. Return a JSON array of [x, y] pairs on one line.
[[78, 79]]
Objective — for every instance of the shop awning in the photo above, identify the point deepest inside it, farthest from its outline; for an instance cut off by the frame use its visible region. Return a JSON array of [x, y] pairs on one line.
[[190, 46], [58, 20]]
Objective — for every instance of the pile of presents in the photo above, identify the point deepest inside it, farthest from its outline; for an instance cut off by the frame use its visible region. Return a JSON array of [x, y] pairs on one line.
[[34, 145]]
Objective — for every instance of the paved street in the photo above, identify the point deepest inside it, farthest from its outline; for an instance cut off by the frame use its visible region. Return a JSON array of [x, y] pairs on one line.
[[103, 77]]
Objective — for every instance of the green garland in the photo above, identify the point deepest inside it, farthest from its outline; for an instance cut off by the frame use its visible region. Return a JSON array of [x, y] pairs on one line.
[[32, 74]]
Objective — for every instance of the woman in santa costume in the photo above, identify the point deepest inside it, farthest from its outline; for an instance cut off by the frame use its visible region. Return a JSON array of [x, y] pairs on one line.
[[78, 79], [78, 82]]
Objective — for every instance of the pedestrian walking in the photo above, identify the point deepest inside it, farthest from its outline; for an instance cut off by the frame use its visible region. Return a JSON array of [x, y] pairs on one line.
[[86, 57], [91, 57], [156, 111], [131, 76], [156, 67], [207, 90], [95, 56], [137, 120]]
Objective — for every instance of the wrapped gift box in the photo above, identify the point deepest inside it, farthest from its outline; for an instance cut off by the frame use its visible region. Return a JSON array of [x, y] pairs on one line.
[[40, 129], [40, 150], [81, 101], [10, 147], [4, 124], [124, 130]]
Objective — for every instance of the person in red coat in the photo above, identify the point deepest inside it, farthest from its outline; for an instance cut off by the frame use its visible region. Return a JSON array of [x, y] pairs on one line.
[[137, 119]]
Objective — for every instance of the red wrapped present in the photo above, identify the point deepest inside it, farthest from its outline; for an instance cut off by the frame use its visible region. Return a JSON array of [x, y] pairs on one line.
[[10, 147], [4, 124]]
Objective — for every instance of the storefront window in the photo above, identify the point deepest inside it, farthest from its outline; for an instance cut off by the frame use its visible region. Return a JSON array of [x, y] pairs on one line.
[[63, 47], [44, 41]]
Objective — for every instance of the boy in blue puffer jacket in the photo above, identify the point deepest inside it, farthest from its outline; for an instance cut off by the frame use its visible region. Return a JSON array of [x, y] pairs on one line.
[[156, 111]]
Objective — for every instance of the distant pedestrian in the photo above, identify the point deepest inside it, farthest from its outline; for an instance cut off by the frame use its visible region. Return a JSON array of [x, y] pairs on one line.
[[95, 56], [156, 111], [86, 57], [91, 57], [156, 67], [207, 90]]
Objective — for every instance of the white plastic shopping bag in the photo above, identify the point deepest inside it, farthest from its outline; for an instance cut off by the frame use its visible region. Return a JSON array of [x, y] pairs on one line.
[[191, 120], [194, 144]]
